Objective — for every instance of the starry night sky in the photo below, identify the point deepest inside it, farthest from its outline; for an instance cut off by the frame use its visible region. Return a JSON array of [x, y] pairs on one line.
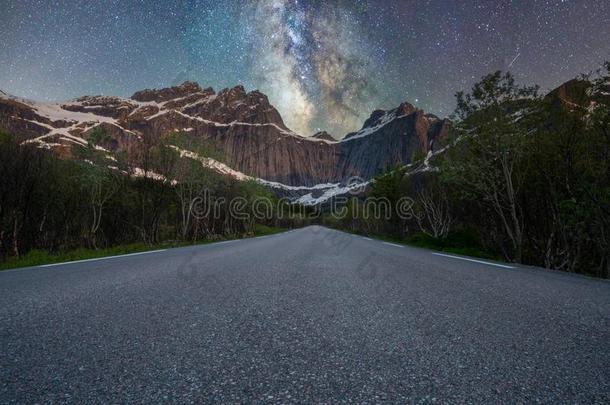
[[323, 64]]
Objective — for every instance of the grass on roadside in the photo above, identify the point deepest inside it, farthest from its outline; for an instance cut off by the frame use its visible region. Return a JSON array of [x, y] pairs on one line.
[[37, 257], [459, 242], [263, 230]]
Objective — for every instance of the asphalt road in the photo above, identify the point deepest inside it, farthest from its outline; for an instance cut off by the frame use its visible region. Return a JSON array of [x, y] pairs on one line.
[[312, 315]]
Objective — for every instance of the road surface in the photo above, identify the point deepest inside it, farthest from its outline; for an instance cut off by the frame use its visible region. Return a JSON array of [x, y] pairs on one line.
[[311, 315]]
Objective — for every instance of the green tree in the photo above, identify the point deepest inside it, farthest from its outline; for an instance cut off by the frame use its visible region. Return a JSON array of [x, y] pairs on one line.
[[570, 184], [487, 155], [99, 184]]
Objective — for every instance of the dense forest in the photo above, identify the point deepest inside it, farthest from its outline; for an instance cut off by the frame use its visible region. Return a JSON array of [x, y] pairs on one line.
[[524, 178], [56, 204]]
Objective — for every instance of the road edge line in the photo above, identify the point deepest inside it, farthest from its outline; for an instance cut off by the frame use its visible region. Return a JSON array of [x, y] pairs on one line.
[[392, 244], [100, 258], [474, 260]]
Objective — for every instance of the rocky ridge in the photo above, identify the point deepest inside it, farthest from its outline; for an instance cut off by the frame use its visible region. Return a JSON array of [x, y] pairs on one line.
[[248, 133]]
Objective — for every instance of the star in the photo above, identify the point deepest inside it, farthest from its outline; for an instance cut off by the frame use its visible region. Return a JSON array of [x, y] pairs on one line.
[[322, 64]]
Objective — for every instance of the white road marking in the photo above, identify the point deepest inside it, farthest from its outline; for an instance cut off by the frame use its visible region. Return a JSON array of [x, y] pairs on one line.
[[393, 244], [102, 258], [474, 260], [367, 238]]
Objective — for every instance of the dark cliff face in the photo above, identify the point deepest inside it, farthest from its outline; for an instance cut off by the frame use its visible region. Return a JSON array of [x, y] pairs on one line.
[[16, 118], [247, 131], [579, 93], [397, 141]]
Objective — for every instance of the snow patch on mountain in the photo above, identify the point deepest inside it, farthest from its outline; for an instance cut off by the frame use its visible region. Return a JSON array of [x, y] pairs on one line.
[[387, 118], [337, 190], [55, 112], [328, 190]]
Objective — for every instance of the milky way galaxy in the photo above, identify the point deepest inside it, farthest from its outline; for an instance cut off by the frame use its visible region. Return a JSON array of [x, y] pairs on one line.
[[324, 64], [312, 62]]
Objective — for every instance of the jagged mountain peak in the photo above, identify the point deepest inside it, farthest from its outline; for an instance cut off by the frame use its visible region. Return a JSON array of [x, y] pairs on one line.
[[247, 132], [381, 118], [378, 117], [169, 93], [232, 104], [237, 90], [374, 118], [236, 94], [405, 108], [239, 93]]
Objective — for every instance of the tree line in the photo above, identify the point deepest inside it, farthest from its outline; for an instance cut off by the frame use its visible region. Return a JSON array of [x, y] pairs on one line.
[[524, 178], [57, 204]]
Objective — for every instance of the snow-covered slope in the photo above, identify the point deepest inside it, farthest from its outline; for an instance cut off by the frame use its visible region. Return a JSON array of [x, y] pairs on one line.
[[249, 137]]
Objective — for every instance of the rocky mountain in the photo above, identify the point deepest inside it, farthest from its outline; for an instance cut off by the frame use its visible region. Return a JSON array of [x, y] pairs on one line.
[[580, 93], [247, 134]]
